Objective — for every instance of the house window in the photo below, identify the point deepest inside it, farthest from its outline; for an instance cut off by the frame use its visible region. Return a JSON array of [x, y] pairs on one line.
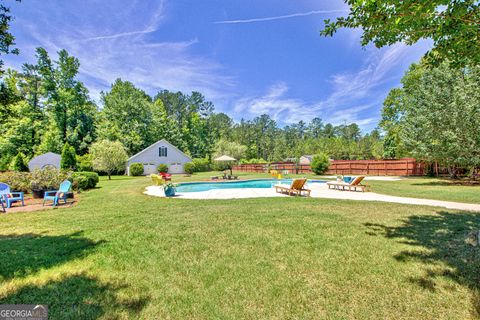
[[162, 151]]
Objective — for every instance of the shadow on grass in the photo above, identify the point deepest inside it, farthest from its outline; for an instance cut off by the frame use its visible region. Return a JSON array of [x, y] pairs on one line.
[[79, 297], [443, 235], [25, 254]]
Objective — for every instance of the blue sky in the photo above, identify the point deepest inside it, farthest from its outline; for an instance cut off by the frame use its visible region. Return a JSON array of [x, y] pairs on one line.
[[247, 56]]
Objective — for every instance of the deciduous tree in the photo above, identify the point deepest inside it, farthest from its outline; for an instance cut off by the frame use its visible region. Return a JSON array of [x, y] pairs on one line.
[[452, 25], [108, 156]]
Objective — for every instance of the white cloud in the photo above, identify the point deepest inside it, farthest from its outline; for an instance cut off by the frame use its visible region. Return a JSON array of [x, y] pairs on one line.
[[354, 96], [122, 46], [282, 17]]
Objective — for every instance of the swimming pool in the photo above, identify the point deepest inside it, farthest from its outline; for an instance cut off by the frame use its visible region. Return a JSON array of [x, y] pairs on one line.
[[260, 183]]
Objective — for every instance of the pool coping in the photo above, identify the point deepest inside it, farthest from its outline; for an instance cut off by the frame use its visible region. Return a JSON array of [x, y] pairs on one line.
[[318, 191]]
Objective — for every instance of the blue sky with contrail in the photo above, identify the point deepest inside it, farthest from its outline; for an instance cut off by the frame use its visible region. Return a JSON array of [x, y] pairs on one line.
[[248, 57]]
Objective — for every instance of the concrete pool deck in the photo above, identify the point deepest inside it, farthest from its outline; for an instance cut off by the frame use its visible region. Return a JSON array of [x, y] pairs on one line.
[[318, 191]]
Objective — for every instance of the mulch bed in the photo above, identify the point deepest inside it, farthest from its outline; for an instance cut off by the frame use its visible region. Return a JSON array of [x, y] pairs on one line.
[[32, 204]]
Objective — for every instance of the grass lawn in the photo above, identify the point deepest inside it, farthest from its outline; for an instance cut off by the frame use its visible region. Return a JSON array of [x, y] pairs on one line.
[[121, 254], [428, 188]]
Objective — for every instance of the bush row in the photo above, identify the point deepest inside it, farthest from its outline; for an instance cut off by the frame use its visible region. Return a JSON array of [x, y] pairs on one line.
[[253, 161], [84, 180], [197, 165], [136, 169], [48, 179]]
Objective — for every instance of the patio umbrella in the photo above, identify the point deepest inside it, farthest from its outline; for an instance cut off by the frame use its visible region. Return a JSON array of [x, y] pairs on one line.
[[226, 158]]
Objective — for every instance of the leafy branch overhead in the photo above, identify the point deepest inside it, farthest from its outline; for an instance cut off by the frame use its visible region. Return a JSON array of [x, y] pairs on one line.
[[454, 26], [7, 40]]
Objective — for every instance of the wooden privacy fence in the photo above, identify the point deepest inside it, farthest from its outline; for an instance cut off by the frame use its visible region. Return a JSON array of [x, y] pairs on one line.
[[401, 167], [257, 167]]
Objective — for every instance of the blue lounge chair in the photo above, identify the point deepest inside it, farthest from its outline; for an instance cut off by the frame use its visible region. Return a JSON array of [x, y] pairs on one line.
[[7, 197], [57, 195]]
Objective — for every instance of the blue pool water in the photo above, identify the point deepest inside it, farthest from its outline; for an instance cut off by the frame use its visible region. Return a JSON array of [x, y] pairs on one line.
[[263, 184]]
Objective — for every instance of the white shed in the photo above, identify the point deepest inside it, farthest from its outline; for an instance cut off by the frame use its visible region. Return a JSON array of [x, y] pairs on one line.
[[48, 159], [305, 159], [161, 152]]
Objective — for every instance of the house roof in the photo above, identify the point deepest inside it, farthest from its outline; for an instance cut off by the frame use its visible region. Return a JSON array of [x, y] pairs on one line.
[[46, 157], [308, 156], [155, 144]]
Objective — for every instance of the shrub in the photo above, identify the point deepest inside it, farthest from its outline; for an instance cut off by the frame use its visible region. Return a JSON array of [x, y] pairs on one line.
[[84, 180], [48, 178], [162, 168], [222, 165], [68, 161], [79, 182], [85, 162], [320, 163], [252, 161], [19, 163], [189, 167], [5, 161], [18, 181], [201, 164], [136, 169]]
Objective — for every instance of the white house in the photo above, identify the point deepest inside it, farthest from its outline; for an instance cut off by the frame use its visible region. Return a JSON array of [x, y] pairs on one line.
[[48, 159], [161, 152], [305, 159]]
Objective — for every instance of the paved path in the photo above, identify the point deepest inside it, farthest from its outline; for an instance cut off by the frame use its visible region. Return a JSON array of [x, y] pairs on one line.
[[318, 191]]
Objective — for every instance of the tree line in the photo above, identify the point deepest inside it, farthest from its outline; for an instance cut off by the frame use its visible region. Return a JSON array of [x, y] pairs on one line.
[[433, 116], [45, 106]]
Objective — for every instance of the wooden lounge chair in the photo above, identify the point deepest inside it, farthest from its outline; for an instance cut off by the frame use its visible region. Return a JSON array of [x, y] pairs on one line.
[[351, 186], [296, 188]]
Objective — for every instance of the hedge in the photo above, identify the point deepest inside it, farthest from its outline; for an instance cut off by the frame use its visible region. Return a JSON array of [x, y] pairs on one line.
[[189, 167], [136, 169], [320, 163], [201, 164], [84, 180]]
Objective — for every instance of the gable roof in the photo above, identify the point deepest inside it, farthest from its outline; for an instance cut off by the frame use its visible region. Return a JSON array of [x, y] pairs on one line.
[[163, 141], [308, 156], [46, 157]]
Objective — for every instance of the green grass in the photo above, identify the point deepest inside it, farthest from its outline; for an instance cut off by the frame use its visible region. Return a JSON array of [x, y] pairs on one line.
[[120, 254], [428, 188]]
